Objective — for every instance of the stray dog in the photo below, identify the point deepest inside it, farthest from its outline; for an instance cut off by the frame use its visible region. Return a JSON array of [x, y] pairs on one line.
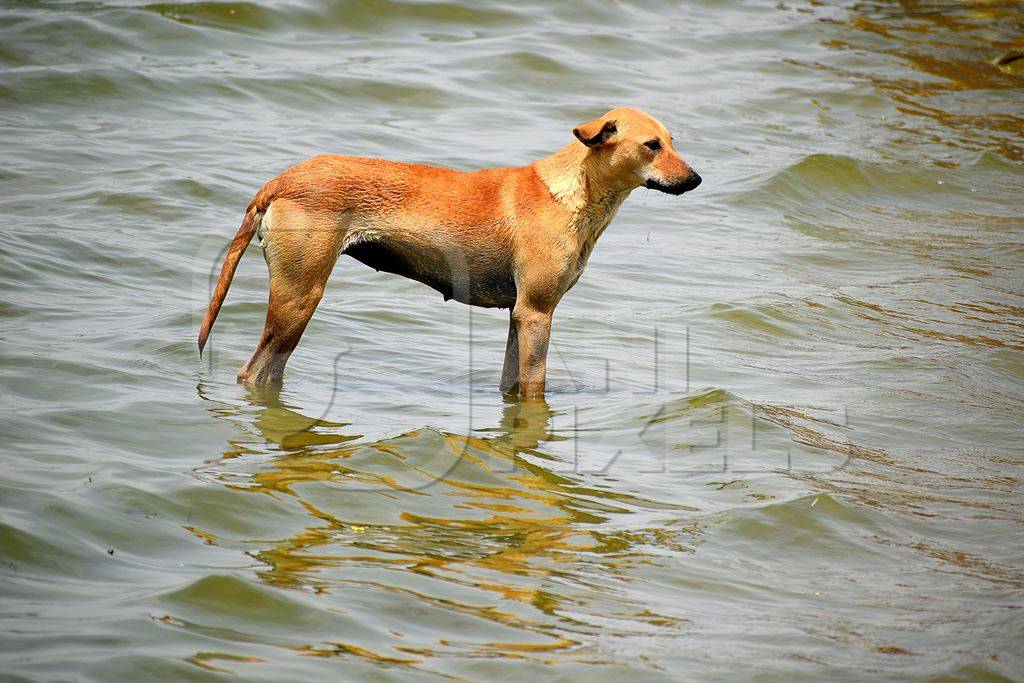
[[515, 238]]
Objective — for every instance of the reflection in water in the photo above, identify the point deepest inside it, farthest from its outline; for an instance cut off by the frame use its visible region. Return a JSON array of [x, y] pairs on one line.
[[425, 511]]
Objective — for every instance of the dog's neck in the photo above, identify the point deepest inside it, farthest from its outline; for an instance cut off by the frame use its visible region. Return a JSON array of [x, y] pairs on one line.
[[571, 181]]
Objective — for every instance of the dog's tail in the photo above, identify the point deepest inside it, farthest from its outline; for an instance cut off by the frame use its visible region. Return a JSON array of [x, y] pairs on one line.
[[251, 222]]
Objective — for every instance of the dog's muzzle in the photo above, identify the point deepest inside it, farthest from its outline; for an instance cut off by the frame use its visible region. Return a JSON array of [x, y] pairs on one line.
[[688, 183]]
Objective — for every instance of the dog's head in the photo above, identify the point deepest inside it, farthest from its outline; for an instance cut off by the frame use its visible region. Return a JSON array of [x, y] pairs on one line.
[[629, 148]]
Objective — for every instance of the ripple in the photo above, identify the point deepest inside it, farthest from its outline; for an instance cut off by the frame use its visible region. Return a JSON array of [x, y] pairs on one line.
[[361, 15], [782, 429]]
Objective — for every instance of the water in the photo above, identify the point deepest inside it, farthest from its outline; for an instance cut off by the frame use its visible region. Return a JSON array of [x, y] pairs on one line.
[[782, 438]]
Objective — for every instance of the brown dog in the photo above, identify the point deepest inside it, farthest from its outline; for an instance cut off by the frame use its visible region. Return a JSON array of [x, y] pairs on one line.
[[515, 238]]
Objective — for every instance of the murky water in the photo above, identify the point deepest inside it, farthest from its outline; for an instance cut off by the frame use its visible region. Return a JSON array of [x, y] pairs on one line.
[[783, 433]]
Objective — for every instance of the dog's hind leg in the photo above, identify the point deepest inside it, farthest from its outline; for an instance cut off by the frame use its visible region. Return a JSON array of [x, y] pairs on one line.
[[300, 248]]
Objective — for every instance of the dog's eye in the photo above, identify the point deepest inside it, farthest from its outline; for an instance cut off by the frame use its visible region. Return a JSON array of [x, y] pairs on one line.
[[652, 145]]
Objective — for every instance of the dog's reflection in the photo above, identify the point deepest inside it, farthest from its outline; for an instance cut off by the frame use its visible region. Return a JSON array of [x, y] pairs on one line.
[[484, 513], [524, 425], [421, 491]]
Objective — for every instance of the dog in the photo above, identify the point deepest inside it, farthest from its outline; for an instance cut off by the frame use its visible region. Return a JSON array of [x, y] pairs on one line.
[[516, 238]]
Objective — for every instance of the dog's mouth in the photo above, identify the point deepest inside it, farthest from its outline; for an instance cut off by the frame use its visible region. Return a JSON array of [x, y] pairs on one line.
[[689, 183]]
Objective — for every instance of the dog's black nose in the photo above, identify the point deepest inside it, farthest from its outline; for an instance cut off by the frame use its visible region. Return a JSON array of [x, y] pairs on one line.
[[691, 182], [685, 185]]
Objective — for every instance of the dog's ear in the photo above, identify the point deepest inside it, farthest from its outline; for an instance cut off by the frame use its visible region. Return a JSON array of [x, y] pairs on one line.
[[596, 132]]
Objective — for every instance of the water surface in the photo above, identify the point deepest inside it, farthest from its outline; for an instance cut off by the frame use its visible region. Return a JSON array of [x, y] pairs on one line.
[[783, 432]]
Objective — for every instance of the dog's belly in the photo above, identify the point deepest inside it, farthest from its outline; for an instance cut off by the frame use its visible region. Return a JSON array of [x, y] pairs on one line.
[[475, 276]]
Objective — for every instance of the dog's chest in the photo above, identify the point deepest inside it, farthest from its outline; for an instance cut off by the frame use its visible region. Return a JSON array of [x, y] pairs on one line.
[[592, 224]]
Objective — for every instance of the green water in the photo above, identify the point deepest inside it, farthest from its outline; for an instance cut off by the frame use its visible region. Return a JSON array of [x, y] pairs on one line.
[[782, 438]]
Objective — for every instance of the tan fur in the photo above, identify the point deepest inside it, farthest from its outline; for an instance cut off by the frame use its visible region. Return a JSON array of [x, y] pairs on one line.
[[514, 238]]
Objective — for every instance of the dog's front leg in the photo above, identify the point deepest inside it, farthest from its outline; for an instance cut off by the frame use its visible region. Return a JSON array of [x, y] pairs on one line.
[[533, 328], [510, 372]]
